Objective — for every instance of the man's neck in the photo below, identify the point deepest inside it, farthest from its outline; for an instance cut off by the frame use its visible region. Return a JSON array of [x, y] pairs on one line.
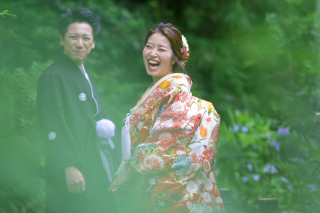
[[79, 63]]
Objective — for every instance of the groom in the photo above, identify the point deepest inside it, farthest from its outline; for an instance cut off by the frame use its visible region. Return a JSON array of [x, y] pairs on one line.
[[78, 167]]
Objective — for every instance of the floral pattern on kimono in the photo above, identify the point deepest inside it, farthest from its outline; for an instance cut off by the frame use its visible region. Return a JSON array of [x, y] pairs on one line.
[[174, 138]]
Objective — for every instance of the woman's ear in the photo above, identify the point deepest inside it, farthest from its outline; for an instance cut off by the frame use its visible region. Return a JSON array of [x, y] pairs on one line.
[[173, 60]]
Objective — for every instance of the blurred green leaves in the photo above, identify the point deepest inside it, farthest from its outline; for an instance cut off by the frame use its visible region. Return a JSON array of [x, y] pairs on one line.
[[256, 61], [6, 12]]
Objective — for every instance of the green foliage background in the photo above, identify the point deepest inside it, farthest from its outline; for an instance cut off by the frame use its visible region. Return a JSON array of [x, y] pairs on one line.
[[256, 61]]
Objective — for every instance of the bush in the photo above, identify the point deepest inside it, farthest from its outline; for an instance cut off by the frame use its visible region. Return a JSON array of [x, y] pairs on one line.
[[255, 161], [22, 156]]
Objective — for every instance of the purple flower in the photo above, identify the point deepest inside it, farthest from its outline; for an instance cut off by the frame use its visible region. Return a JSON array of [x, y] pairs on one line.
[[255, 177], [236, 127], [273, 170], [276, 145], [270, 168], [244, 129], [245, 179], [312, 187], [249, 166], [284, 179], [283, 131], [297, 160]]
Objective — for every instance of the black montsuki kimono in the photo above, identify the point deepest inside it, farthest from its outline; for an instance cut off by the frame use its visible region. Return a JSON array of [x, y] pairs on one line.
[[67, 114]]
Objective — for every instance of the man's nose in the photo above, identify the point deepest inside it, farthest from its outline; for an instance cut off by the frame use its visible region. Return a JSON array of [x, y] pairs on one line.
[[79, 43]]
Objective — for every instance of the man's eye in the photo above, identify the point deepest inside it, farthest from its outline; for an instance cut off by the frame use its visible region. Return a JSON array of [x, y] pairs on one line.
[[73, 37], [161, 50], [86, 39]]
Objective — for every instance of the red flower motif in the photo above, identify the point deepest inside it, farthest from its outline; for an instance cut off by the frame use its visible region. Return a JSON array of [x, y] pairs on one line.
[[203, 156], [168, 161], [211, 152], [194, 156], [140, 156], [186, 54], [206, 165], [152, 163]]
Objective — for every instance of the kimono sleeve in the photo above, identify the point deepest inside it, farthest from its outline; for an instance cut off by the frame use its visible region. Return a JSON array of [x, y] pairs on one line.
[[61, 148], [215, 134], [156, 154]]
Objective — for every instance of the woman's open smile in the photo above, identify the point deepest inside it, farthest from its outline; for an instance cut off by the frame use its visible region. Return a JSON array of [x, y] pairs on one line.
[[157, 56]]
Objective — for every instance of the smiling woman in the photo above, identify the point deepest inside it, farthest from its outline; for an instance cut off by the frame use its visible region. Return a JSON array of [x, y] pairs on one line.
[[172, 136], [163, 42], [157, 56]]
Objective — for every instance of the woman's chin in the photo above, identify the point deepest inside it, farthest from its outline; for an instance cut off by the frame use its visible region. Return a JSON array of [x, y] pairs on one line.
[[157, 74], [152, 73]]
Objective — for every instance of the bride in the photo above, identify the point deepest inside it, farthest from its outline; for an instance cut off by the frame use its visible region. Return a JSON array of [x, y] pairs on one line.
[[170, 137]]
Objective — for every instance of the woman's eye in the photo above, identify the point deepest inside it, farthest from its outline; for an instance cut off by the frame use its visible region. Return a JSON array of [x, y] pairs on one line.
[[148, 46], [86, 39], [73, 37], [161, 50]]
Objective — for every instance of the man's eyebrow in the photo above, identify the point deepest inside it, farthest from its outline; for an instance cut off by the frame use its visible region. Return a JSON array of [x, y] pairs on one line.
[[77, 34]]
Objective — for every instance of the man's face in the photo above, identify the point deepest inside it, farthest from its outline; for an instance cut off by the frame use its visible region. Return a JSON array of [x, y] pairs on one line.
[[78, 41]]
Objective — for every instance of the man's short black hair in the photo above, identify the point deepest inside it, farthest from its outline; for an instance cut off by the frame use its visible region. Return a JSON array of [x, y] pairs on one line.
[[79, 15]]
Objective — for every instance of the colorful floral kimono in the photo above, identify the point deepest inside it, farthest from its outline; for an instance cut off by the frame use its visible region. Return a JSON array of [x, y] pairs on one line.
[[174, 138]]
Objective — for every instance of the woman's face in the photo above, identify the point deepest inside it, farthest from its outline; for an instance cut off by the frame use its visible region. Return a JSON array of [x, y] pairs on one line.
[[157, 56]]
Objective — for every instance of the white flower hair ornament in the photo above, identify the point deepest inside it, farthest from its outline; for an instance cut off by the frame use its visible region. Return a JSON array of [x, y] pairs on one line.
[[185, 49]]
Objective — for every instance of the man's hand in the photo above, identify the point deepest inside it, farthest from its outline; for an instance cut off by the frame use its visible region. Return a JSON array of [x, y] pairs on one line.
[[75, 180]]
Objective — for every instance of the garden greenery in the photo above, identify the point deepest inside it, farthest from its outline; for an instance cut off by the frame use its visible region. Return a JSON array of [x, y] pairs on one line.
[[257, 161], [256, 61]]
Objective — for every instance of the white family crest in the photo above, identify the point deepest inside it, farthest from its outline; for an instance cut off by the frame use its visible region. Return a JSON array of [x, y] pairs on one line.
[[52, 135], [82, 97]]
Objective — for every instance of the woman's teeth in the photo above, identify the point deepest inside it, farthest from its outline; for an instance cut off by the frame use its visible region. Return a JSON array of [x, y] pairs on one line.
[[153, 63]]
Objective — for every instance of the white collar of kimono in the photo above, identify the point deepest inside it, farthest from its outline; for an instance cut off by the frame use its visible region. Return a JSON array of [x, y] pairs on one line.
[[92, 95], [147, 93]]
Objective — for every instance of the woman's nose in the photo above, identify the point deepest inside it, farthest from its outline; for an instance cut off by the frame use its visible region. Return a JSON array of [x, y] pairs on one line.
[[153, 53]]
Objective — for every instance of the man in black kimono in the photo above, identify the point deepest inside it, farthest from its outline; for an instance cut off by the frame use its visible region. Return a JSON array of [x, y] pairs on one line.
[[78, 172]]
